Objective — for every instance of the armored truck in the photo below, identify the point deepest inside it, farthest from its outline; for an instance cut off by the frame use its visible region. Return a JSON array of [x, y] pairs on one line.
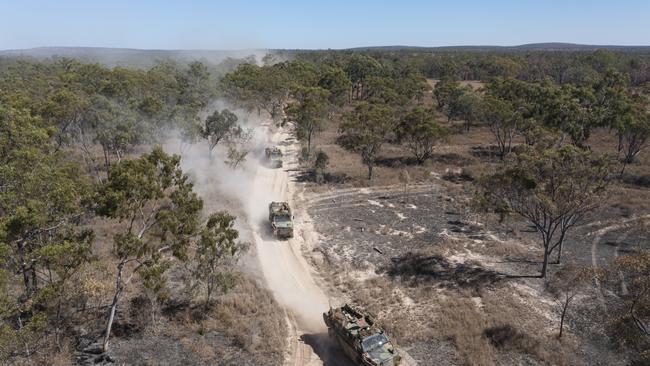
[[281, 219], [273, 157], [360, 338]]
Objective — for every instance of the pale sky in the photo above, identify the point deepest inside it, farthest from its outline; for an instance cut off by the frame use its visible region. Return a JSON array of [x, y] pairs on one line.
[[203, 24]]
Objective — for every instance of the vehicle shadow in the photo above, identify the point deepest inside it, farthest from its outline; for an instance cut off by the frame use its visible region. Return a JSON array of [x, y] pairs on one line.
[[328, 351]]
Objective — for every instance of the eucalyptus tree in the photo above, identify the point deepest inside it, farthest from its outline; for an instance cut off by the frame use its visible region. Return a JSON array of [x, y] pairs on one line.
[[551, 189], [420, 132], [365, 130], [159, 214]]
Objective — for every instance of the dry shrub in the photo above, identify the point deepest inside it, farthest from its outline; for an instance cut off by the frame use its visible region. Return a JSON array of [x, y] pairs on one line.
[[199, 349], [500, 248], [141, 312], [373, 295], [508, 338], [60, 360], [445, 244]]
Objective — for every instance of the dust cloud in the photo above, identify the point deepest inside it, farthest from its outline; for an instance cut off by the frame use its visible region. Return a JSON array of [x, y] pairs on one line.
[[215, 181]]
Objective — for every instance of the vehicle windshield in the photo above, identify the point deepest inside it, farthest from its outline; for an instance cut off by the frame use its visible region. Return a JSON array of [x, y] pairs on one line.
[[283, 219], [374, 341]]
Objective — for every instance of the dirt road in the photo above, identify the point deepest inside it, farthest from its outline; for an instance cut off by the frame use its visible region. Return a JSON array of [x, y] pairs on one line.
[[281, 262], [293, 281]]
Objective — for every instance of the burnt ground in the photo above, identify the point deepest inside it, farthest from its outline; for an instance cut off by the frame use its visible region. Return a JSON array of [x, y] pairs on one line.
[[192, 350], [245, 327], [439, 281]]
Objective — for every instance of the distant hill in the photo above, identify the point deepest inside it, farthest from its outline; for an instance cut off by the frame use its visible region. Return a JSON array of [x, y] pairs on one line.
[[551, 46], [145, 58], [131, 57]]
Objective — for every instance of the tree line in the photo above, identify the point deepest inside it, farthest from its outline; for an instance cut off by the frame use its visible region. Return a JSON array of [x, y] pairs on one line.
[[573, 67]]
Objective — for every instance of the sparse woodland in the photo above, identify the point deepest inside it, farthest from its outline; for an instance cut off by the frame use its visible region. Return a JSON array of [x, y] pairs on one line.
[[103, 234]]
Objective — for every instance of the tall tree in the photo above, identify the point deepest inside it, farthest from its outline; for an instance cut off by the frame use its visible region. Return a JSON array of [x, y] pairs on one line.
[[310, 112], [64, 109], [467, 107], [43, 196], [220, 126], [503, 121], [197, 86], [365, 130], [217, 248], [258, 88], [633, 129], [551, 189], [382, 89], [159, 212], [419, 130], [358, 68], [443, 92], [334, 80]]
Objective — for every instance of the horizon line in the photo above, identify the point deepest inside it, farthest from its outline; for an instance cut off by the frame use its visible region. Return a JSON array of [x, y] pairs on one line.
[[332, 49]]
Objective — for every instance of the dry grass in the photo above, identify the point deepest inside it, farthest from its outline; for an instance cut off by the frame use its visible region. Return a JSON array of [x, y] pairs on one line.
[[245, 324], [464, 324], [501, 248], [199, 348], [253, 319], [531, 332]]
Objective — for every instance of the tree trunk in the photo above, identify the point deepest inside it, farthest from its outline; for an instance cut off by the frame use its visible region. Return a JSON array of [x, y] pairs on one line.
[[107, 159], [57, 328], [34, 277], [119, 286], [559, 254], [369, 171], [559, 248], [620, 175], [544, 264], [20, 327], [619, 147], [564, 309], [24, 269], [309, 143]]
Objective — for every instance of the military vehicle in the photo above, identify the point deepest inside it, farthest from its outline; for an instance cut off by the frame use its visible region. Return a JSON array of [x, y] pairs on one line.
[[280, 218], [359, 337], [273, 157]]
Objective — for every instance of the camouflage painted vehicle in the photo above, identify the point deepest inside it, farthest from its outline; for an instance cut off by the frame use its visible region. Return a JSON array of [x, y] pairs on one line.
[[359, 337], [281, 219], [273, 157]]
